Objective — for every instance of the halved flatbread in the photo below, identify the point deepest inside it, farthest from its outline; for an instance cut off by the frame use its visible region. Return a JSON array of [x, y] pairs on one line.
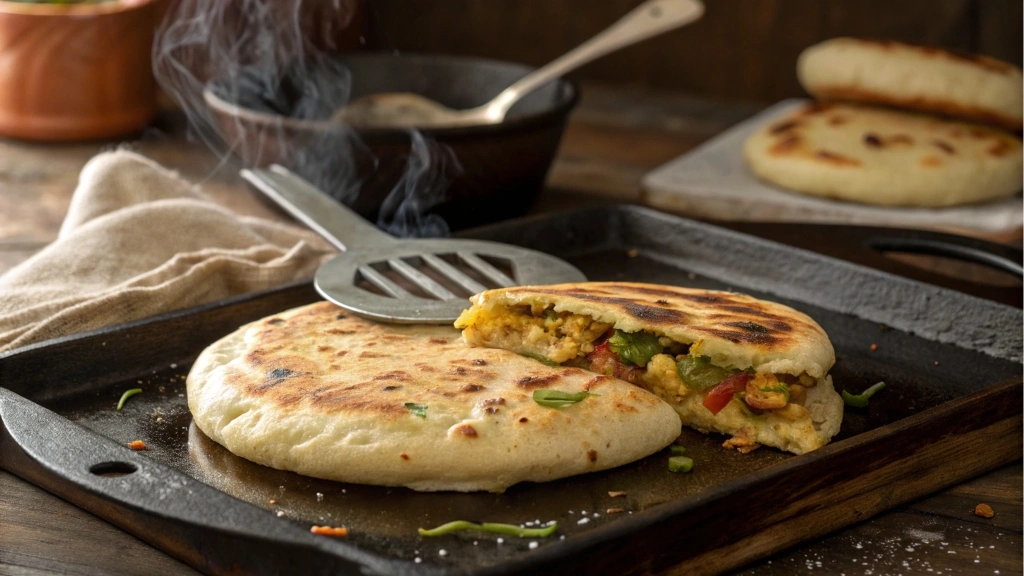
[[886, 157], [684, 345], [918, 78], [326, 394]]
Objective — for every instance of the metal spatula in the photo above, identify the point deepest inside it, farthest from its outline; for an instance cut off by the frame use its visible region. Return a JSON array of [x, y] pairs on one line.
[[388, 279]]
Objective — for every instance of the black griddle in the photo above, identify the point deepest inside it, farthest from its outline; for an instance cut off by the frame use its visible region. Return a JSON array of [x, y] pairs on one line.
[[951, 410]]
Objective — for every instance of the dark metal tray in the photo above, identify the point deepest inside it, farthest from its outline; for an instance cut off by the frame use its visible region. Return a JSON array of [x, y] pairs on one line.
[[951, 410]]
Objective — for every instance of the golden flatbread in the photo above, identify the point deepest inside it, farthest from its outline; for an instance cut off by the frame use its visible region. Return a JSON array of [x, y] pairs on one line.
[[885, 157], [323, 393], [920, 78]]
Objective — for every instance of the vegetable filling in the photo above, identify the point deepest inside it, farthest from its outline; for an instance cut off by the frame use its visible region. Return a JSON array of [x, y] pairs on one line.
[[655, 362]]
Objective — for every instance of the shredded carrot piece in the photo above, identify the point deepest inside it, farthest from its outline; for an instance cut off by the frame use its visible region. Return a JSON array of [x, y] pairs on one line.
[[337, 532], [137, 445]]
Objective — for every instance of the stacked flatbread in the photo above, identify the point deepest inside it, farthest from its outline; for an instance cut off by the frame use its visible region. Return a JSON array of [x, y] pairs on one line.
[[897, 125]]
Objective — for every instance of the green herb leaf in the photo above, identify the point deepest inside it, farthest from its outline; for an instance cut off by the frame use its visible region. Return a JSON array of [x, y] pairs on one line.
[[677, 450], [698, 373], [558, 399], [635, 347], [680, 464], [861, 400], [417, 409], [539, 358], [490, 527], [128, 394]]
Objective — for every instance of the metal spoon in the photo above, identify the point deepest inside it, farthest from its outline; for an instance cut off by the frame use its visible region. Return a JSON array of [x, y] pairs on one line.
[[408, 110]]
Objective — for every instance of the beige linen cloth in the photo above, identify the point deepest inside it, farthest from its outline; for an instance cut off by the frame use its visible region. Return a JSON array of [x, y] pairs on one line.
[[138, 241]]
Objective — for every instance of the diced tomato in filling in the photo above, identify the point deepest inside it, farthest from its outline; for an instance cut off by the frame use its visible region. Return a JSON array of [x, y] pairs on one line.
[[604, 360], [721, 394]]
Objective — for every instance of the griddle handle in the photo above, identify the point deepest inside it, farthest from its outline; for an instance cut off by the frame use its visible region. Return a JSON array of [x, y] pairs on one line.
[[996, 256], [201, 526]]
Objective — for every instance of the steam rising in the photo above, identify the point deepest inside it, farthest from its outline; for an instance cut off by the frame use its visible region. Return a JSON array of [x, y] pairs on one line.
[[271, 73]]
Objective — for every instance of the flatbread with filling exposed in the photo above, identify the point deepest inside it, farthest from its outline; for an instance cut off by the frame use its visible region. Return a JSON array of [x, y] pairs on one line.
[[330, 395], [726, 362]]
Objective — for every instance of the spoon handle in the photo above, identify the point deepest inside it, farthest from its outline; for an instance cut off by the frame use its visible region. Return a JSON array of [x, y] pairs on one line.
[[329, 218], [646, 20]]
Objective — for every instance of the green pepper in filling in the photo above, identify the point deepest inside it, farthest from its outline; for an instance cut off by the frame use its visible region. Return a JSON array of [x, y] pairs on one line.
[[635, 347], [698, 373]]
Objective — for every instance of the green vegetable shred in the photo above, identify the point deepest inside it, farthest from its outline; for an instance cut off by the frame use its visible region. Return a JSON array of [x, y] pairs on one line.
[[861, 400], [128, 394], [680, 464], [698, 373], [417, 409], [677, 450], [490, 527], [558, 399], [635, 347]]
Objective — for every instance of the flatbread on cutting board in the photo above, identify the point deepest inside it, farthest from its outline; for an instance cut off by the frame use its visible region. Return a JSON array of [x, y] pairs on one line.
[[323, 393], [690, 342], [885, 157], [968, 86]]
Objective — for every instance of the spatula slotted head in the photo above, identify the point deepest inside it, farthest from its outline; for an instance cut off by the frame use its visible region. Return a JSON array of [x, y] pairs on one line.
[[430, 281]]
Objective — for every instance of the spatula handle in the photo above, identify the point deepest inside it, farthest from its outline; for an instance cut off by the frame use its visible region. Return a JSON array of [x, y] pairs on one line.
[[324, 215]]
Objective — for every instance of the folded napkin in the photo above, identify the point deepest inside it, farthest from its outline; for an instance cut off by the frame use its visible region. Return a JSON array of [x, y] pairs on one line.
[[137, 241]]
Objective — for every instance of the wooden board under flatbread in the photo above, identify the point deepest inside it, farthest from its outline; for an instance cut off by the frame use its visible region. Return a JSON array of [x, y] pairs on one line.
[[713, 181]]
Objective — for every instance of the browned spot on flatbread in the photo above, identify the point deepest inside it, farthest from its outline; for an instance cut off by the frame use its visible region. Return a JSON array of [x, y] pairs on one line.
[[594, 381], [367, 354], [403, 456], [538, 381], [785, 145], [437, 341], [466, 430], [339, 331], [815, 108], [621, 407], [491, 410], [390, 388], [340, 353], [743, 332], [493, 401], [524, 420], [472, 388], [275, 321], [480, 362], [873, 141], [838, 120], [399, 375], [1000, 148], [783, 126], [592, 456], [836, 159], [324, 348], [931, 161], [944, 146]]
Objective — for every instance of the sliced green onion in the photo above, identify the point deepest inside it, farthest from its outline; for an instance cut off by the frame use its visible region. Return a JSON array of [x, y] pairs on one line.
[[559, 399], [490, 527], [677, 449], [680, 464], [128, 394], [417, 409], [861, 400]]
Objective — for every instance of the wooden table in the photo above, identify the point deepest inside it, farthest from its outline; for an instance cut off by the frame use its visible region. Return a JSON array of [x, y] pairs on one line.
[[614, 138]]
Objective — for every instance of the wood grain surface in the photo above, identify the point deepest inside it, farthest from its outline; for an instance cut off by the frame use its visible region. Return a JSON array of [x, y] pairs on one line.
[[601, 160]]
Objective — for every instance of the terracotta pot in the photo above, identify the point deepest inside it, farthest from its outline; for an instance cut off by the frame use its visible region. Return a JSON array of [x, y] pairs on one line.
[[75, 72]]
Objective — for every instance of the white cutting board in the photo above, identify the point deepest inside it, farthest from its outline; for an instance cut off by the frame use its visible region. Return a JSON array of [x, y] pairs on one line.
[[712, 181]]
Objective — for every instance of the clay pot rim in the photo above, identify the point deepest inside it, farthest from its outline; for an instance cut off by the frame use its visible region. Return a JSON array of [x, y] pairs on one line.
[[77, 10]]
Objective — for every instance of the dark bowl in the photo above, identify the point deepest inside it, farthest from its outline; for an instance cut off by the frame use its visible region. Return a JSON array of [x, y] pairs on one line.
[[468, 176]]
